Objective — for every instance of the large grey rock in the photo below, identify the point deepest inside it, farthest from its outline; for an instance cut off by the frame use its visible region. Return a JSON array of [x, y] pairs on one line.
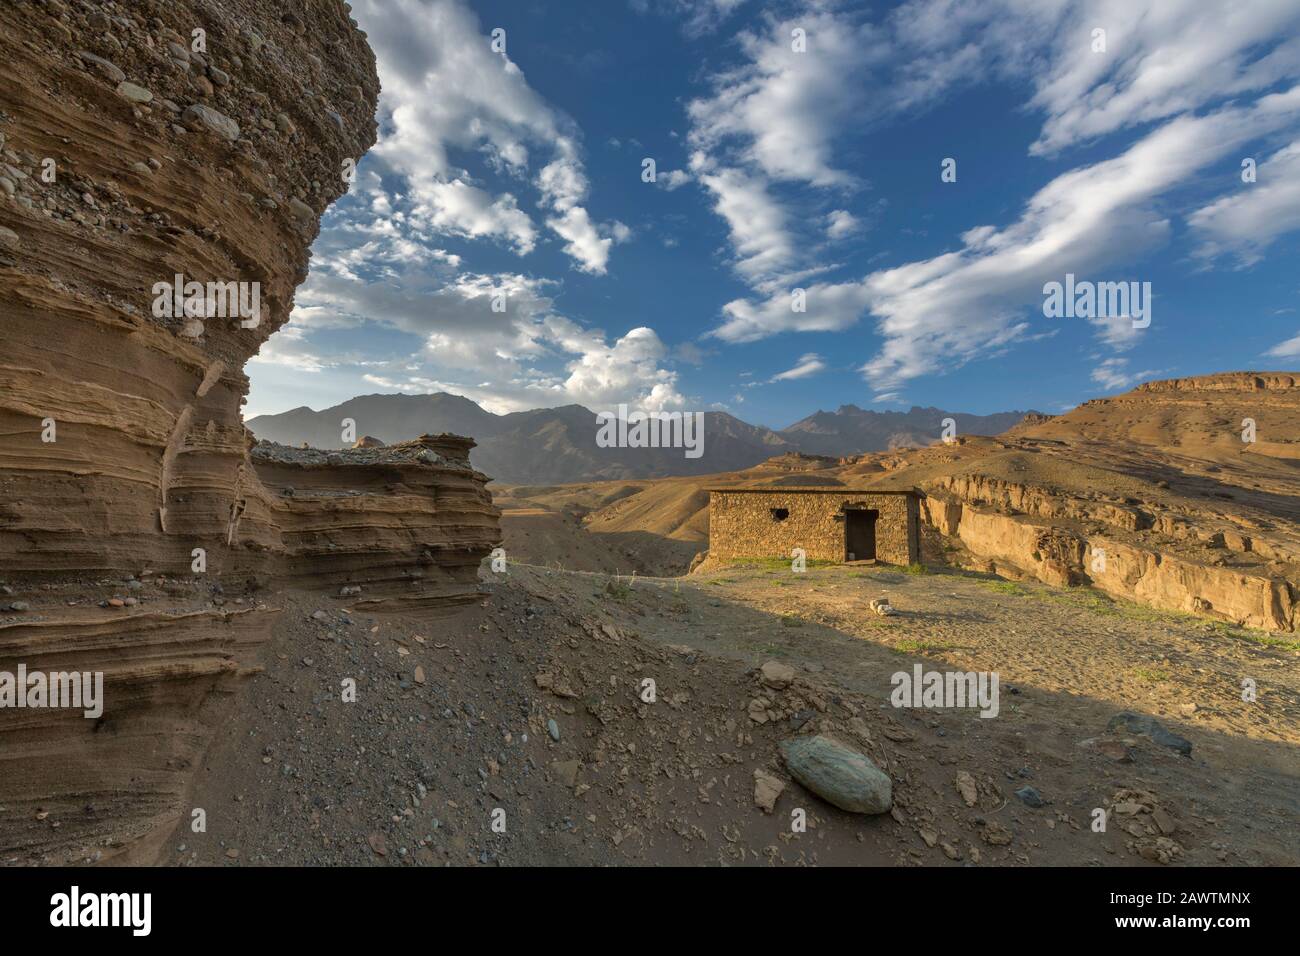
[[205, 117], [840, 776]]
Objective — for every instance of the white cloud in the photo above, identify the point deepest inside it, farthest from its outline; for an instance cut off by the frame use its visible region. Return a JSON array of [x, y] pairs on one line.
[[807, 365], [828, 308], [1162, 58], [948, 309], [769, 125], [1112, 374], [1288, 349], [1255, 214], [763, 245], [459, 209], [781, 109], [673, 179], [444, 89], [841, 223]]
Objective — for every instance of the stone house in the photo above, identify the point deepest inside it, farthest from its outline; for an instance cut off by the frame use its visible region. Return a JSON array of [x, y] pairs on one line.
[[830, 524]]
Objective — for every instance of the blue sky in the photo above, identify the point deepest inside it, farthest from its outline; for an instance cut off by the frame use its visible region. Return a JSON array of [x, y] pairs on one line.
[[517, 179]]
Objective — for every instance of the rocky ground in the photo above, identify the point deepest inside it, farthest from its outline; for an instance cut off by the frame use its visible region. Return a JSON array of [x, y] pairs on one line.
[[530, 704]]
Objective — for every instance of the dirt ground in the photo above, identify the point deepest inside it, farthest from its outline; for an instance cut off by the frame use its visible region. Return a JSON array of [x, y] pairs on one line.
[[451, 724]]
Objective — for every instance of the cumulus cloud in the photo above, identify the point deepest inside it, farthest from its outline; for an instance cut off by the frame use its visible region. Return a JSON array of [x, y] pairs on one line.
[[444, 89], [500, 330]]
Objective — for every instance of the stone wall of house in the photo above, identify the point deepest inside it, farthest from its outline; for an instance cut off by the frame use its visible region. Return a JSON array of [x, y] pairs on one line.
[[742, 525]]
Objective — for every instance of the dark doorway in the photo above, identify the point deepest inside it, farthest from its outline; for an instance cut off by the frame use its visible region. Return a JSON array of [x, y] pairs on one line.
[[860, 534]]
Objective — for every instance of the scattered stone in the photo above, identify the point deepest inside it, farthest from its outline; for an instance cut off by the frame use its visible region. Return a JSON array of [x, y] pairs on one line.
[[967, 787], [767, 789], [839, 775], [378, 844], [553, 729], [1029, 797], [995, 834], [777, 675], [419, 674], [566, 771]]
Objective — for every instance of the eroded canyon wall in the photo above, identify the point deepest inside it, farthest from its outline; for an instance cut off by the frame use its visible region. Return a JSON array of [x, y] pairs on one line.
[[1179, 494], [141, 141]]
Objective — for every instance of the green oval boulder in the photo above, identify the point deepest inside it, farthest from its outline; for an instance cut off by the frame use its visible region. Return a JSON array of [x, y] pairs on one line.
[[839, 775]]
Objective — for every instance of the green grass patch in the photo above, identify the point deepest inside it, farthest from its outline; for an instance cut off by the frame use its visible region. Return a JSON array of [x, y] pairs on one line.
[[921, 647], [1150, 675], [916, 569]]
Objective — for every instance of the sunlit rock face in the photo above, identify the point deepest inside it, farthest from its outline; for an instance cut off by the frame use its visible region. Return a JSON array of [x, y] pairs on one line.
[[163, 168]]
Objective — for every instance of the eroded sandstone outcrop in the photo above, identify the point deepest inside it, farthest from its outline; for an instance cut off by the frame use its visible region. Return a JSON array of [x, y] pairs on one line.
[[140, 142], [1179, 495]]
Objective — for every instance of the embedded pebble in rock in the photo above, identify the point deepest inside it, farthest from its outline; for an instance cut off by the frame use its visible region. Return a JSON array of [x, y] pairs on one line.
[[553, 729], [205, 117], [301, 211], [135, 94], [9, 238], [109, 70]]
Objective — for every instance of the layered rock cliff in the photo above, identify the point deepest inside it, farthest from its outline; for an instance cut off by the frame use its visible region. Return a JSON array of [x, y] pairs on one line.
[[141, 142], [1180, 494]]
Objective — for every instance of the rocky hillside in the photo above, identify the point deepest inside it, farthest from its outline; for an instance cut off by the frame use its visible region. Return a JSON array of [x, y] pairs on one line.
[[144, 141], [559, 444], [1153, 496]]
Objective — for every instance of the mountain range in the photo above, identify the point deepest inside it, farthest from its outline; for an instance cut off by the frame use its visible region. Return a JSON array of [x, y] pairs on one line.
[[558, 445]]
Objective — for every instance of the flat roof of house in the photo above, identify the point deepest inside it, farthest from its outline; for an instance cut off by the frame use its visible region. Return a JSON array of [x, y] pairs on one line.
[[816, 490]]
